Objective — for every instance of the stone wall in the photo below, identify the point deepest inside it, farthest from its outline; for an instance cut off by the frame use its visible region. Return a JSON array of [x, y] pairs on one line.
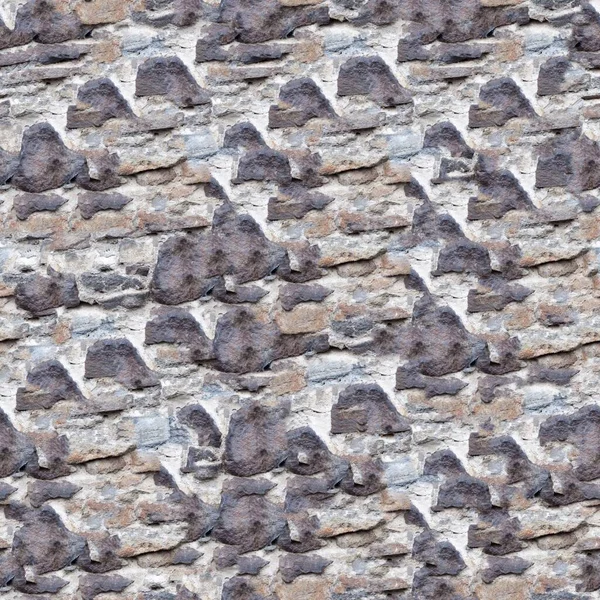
[[299, 299]]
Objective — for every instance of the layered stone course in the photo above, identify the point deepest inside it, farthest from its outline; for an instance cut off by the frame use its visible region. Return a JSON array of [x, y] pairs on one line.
[[299, 299]]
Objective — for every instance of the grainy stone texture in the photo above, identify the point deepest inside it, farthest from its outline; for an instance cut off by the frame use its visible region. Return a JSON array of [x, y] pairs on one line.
[[299, 299]]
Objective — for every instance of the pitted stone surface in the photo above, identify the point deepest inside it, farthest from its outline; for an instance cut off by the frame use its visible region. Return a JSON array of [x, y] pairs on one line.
[[299, 299]]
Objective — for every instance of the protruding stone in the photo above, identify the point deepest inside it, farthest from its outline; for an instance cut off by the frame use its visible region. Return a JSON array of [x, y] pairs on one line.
[[370, 76], [168, 76], [97, 101], [47, 383], [256, 441], [45, 162], [41, 295], [366, 408], [26, 205], [120, 360], [300, 100]]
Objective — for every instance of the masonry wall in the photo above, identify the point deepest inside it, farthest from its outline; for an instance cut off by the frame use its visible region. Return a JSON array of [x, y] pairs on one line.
[[299, 300]]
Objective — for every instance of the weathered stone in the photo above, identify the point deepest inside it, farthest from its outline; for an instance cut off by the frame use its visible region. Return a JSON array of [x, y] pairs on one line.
[[47, 383], [449, 348], [364, 477], [97, 101], [494, 294], [307, 453], [91, 586], [100, 172], [267, 20], [45, 162], [120, 360], [91, 203], [44, 22], [463, 257], [188, 266], [256, 440], [177, 326], [43, 542], [582, 429], [300, 100], [295, 201], [292, 566], [499, 101], [17, 449], [499, 193], [26, 205], [291, 295], [408, 378], [247, 520], [244, 342], [41, 491], [171, 78], [370, 76], [41, 295], [440, 558], [569, 160], [438, 20], [264, 164], [366, 408], [504, 566], [195, 417], [445, 136]]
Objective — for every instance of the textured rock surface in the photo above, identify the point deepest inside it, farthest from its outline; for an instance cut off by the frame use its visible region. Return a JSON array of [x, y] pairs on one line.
[[299, 299]]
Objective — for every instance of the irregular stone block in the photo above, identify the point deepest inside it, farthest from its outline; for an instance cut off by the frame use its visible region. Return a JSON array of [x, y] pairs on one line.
[[168, 76], [293, 566], [441, 558], [120, 360], [43, 542], [499, 101], [45, 162], [370, 76], [91, 203], [504, 566], [449, 347], [26, 205], [569, 160], [437, 20], [244, 343], [264, 164], [177, 326], [291, 295], [307, 453], [499, 193], [294, 202], [256, 440], [445, 136], [247, 520], [300, 100], [267, 19], [463, 257], [582, 429], [41, 491], [101, 172], [41, 295], [366, 408], [364, 477], [17, 448], [98, 101], [44, 22], [408, 378], [188, 266], [195, 417], [92, 585], [47, 383]]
